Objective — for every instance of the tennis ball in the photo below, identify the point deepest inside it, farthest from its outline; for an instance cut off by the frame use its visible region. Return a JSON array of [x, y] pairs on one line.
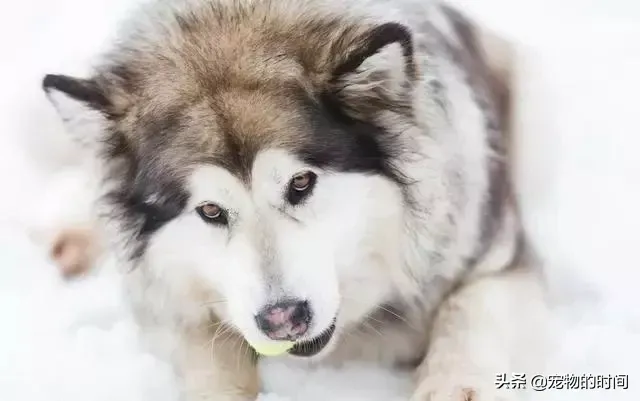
[[273, 348]]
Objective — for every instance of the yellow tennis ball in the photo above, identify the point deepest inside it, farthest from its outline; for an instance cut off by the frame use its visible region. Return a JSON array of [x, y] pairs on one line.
[[273, 348]]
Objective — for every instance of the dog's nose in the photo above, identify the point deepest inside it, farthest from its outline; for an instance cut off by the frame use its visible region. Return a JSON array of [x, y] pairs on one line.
[[287, 320]]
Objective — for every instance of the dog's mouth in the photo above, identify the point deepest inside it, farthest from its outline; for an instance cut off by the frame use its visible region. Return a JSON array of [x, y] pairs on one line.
[[313, 346]]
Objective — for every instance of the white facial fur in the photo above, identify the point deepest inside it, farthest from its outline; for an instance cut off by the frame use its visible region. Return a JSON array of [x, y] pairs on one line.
[[339, 241]]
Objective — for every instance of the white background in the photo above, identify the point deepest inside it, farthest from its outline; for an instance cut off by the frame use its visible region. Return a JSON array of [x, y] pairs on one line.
[[579, 175]]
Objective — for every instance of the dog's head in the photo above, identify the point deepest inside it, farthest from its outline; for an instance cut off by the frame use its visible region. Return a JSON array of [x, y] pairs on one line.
[[250, 156]]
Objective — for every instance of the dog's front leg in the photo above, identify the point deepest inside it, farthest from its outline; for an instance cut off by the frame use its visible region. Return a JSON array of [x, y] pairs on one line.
[[483, 330], [215, 369]]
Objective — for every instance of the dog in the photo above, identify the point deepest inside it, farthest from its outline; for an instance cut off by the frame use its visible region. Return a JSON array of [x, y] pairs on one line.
[[324, 173]]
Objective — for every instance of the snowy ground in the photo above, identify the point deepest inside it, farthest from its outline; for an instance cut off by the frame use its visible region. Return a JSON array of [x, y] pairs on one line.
[[579, 178]]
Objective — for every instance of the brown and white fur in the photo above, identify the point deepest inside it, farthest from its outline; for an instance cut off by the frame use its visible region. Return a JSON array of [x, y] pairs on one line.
[[408, 235]]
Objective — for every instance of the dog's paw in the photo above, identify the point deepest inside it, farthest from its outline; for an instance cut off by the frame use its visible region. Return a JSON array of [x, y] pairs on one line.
[[456, 389], [74, 250]]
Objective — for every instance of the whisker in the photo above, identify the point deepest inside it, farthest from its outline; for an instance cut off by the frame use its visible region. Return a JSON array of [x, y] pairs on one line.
[[246, 350], [240, 353], [224, 337], [384, 309], [225, 330], [219, 325], [213, 339], [402, 318], [215, 324], [220, 301], [350, 334], [372, 327], [373, 319], [236, 342]]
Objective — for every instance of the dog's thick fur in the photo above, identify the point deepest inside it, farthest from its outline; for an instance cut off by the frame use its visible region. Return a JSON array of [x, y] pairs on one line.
[[409, 239]]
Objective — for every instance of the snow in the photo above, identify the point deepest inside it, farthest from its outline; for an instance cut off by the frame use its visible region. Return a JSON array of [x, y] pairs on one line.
[[578, 174]]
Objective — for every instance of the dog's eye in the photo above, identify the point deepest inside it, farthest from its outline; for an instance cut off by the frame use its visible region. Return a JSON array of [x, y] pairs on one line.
[[301, 186], [212, 213]]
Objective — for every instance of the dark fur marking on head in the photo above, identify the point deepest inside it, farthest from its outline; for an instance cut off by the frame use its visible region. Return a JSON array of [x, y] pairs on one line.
[[236, 152], [146, 205], [346, 144], [146, 195]]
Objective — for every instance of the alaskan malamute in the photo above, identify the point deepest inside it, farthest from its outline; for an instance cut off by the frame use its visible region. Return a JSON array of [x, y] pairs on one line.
[[324, 177]]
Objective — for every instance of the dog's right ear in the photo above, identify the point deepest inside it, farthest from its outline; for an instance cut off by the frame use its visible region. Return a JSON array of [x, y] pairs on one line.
[[82, 104], [375, 70]]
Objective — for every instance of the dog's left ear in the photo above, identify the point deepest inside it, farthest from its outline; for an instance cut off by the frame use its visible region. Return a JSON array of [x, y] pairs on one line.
[[376, 71], [84, 106]]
